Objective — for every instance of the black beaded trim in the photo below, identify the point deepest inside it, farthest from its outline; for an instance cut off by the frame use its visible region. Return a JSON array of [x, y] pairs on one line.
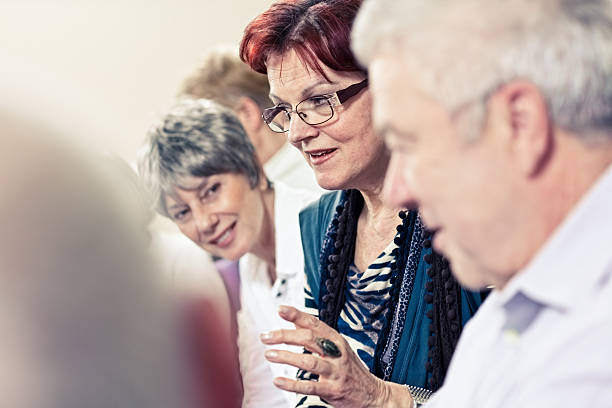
[[335, 267], [443, 293]]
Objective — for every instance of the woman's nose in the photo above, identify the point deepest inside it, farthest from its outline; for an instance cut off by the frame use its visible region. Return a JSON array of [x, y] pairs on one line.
[[300, 130], [205, 222]]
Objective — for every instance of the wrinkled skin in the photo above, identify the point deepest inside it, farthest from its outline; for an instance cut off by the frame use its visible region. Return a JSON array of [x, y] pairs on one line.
[[344, 382]]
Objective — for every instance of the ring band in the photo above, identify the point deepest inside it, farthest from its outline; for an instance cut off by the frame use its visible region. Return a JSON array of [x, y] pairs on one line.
[[328, 347]]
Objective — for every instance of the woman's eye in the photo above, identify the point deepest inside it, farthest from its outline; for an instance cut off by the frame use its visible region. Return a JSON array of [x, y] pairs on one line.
[[318, 101], [211, 190], [180, 215]]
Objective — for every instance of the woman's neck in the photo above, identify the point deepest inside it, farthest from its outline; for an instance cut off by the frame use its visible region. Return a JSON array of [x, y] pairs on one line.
[[375, 211], [376, 227], [265, 247]]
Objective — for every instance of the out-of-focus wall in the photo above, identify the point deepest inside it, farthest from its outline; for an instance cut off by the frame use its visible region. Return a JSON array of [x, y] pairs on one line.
[[119, 63]]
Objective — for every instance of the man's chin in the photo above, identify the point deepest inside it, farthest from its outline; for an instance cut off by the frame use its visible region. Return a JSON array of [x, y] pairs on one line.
[[469, 274], [439, 242]]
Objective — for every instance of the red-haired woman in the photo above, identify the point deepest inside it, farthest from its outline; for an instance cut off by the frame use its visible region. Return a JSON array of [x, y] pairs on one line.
[[390, 311]]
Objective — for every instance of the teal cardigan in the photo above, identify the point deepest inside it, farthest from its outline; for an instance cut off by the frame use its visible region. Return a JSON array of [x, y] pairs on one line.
[[408, 366]]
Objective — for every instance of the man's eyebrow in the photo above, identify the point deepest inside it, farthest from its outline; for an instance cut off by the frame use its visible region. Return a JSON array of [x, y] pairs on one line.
[[387, 129], [306, 92]]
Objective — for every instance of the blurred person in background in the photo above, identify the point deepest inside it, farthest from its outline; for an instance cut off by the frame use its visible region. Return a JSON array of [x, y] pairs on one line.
[[499, 119], [206, 178], [390, 312], [224, 78]]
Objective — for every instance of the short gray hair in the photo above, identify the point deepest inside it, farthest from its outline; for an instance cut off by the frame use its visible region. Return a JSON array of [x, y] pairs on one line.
[[195, 138], [467, 49]]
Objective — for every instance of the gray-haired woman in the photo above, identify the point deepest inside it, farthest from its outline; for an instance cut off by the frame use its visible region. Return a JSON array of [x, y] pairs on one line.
[[206, 178]]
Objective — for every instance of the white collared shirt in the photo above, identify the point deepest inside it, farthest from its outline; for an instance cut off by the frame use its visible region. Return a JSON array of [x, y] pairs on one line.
[[260, 301], [545, 340], [289, 167]]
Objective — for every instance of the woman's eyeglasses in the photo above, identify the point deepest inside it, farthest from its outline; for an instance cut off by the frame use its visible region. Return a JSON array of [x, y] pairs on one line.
[[314, 110]]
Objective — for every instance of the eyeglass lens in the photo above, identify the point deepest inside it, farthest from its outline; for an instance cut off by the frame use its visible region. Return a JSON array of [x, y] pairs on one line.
[[313, 111]]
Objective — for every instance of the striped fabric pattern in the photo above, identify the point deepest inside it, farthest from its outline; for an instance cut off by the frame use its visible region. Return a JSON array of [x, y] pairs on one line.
[[366, 298]]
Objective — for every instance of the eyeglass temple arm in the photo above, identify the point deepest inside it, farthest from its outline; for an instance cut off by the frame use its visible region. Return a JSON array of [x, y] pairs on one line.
[[351, 91]]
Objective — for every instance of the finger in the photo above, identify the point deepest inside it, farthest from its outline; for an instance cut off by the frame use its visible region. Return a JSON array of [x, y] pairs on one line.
[[309, 362], [297, 337], [302, 386], [306, 321]]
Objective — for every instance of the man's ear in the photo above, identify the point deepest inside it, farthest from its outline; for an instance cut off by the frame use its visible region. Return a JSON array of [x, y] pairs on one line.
[[519, 113], [249, 114]]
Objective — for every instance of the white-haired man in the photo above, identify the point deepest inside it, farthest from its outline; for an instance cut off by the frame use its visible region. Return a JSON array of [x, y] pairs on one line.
[[499, 116]]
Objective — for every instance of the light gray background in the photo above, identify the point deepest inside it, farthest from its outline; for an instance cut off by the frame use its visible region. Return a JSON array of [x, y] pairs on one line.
[[117, 63]]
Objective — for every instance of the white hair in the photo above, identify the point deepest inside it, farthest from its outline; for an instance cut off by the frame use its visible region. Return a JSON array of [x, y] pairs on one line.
[[466, 49]]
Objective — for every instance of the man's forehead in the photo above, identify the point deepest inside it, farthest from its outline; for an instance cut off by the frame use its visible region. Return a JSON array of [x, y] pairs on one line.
[[392, 86], [386, 97], [401, 102], [390, 69]]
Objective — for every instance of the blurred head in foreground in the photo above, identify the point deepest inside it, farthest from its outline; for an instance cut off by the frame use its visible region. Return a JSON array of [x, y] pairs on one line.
[[82, 323]]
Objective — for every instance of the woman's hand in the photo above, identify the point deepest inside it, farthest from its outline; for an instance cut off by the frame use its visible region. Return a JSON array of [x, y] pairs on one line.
[[344, 381]]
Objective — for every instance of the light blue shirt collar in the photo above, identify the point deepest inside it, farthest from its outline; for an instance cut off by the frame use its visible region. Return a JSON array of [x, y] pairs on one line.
[[576, 259]]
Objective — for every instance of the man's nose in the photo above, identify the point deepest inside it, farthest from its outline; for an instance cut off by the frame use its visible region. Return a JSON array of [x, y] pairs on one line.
[[398, 187]]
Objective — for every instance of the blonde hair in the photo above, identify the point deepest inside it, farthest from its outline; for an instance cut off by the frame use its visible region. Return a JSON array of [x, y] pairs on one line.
[[224, 78]]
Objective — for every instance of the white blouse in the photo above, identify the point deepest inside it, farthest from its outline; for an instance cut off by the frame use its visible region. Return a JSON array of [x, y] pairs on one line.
[[260, 301]]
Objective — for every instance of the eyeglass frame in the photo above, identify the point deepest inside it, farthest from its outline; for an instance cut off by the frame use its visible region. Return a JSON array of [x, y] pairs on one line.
[[333, 99]]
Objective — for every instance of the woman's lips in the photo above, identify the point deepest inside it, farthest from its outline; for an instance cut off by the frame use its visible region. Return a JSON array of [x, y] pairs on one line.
[[318, 157], [226, 238]]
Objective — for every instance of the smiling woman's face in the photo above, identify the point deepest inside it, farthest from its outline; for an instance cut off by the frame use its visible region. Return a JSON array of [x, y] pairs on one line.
[[344, 152], [222, 213]]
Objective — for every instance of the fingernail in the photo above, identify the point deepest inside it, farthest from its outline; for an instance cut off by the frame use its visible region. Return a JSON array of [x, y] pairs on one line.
[[279, 381], [265, 336], [271, 354], [283, 310]]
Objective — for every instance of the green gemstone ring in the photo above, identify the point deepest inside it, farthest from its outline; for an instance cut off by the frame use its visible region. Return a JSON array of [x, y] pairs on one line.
[[329, 347]]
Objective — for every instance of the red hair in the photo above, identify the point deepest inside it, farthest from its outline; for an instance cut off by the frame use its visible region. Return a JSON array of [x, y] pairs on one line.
[[317, 30]]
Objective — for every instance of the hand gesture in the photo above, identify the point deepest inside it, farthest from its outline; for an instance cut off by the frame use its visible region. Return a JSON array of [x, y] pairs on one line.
[[344, 380]]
